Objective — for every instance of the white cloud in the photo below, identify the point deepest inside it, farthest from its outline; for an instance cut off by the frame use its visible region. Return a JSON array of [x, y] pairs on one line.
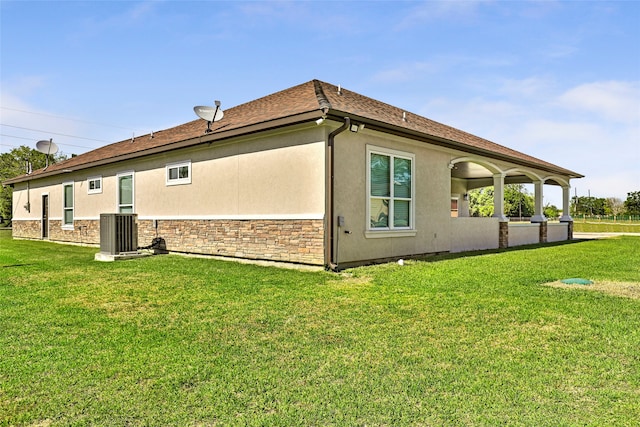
[[140, 11], [559, 50], [530, 87], [271, 10], [617, 101], [22, 86], [96, 25], [560, 133], [441, 64], [25, 124], [404, 72], [591, 128], [431, 11]]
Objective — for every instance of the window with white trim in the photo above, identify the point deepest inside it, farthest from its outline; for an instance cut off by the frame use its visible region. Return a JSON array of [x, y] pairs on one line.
[[94, 185], [390, 188], [179, 173], [67, 204], [125, 192]]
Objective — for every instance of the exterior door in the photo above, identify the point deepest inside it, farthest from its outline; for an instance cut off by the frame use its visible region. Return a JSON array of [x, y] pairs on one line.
[[45, 216]]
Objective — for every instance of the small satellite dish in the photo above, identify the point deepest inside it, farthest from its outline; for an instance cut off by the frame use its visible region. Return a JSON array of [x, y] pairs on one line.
[[47, 147], [210, 114]]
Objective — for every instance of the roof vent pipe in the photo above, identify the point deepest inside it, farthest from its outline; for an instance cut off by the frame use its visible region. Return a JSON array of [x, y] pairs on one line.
[[339, 90]]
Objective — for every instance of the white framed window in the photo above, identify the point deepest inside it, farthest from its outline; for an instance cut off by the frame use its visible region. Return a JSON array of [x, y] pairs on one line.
[[67, 204], [390, 190], [179, 173], [94, 185], [126, 193]]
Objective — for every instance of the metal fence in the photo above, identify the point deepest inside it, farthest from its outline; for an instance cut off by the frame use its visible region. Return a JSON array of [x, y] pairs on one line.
[[610, 218]]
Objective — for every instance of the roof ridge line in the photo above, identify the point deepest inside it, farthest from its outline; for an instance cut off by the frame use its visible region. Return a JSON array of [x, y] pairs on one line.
[[322, 98]]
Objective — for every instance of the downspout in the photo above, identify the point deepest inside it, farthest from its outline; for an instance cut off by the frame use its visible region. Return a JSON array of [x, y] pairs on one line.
[[333, 264], [27, 207]]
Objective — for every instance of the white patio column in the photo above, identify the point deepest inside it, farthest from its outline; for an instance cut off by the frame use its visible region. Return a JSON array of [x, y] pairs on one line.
[[566, 215], [498, 197], [538, 210]]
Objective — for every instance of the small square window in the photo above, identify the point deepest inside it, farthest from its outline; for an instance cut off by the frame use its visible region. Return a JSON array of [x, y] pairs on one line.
[[94, 185], [179, 173]]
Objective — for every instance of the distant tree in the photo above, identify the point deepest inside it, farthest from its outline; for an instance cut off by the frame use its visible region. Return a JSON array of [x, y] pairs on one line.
[[632, 204], [14, 163], [578, 205], [481, 202], [590, 206], [601, 206], [517, 201], [551, 211], [614, 206]]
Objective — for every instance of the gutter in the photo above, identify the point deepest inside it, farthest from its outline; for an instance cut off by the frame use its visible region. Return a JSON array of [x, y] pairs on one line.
[[333, 263]]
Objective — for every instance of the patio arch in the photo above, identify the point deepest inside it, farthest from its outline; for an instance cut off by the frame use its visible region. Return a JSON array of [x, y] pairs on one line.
[[529, 174], [566, 187], [487, 174], [493, 168], [538, 183]]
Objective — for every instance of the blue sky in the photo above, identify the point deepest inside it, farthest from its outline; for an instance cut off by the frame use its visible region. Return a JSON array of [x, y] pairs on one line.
[[556, 80]]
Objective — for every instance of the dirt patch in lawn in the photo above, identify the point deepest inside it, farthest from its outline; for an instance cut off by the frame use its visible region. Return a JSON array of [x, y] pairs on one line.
[[620, 289]]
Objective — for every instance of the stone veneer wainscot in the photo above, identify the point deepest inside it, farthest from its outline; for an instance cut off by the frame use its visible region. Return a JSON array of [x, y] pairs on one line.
[[300, 241]]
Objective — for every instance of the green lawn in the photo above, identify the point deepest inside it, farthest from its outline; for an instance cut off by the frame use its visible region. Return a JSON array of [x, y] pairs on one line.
[[460, 341], [594, 226]]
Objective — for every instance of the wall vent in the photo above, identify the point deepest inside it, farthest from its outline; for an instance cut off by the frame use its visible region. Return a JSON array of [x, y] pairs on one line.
[[118, 233]]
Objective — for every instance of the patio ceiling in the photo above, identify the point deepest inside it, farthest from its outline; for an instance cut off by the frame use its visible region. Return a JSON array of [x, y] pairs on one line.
[[477, 176]]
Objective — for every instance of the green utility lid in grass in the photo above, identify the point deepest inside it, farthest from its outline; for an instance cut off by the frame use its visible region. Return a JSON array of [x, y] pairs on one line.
[[577, 281]]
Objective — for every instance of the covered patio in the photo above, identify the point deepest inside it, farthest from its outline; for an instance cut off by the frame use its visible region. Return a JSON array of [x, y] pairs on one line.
[[477, 233]]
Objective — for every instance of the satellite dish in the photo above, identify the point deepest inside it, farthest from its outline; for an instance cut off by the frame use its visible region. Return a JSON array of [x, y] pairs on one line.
[[210, 114], [47, 147]]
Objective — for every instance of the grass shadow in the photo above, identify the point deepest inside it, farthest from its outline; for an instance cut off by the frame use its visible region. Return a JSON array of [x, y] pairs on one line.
[[468, 254]]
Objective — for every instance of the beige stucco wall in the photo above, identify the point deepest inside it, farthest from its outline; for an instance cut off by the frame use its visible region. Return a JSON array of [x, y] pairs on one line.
[[524, 234], [19, 201], [432, 199], [280, 175], [470, 234], [32, 193], [557, 232]]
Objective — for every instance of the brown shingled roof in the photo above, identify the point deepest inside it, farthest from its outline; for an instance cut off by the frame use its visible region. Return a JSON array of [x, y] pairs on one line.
[[304, 102], [353, 103]]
